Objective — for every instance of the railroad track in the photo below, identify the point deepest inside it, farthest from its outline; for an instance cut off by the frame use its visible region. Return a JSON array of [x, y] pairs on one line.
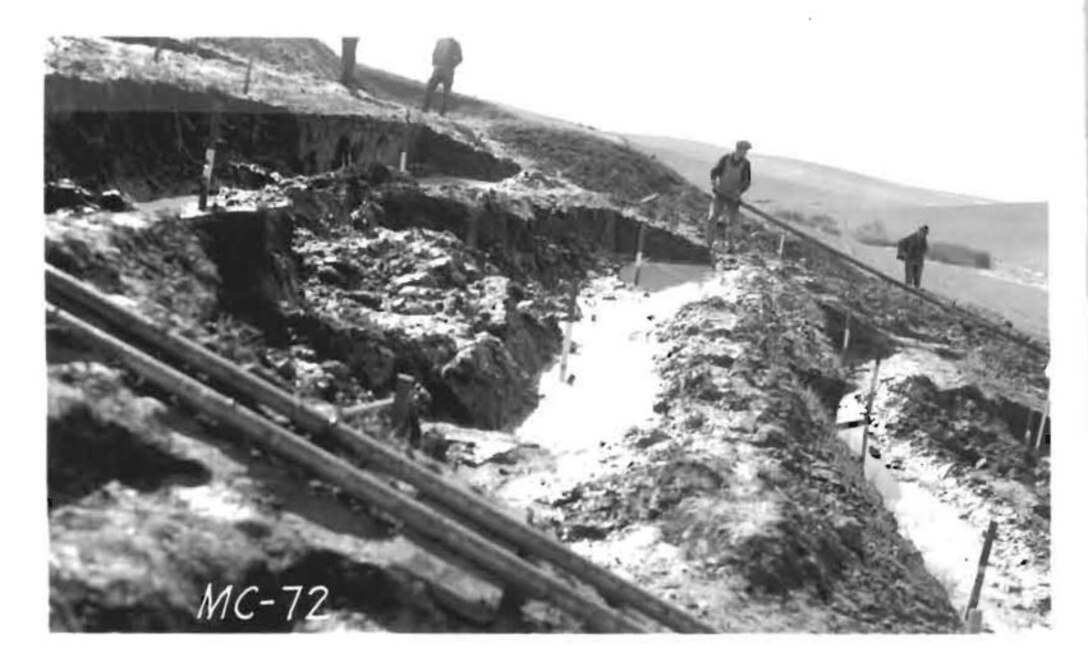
[[463, 524]]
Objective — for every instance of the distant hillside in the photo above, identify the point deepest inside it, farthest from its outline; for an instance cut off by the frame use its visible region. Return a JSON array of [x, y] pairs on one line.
[[1012, 232], [797, 184]]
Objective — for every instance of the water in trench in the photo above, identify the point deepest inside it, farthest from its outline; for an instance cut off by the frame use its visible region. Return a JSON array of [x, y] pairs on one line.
[[615, 386], [945, 535], [949, 545], [613, 382]]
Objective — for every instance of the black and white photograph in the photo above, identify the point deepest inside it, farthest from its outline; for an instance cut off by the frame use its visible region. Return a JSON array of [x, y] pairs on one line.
[[556, 318]]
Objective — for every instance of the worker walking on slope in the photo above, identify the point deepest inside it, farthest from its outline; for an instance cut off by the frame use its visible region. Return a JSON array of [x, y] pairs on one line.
[[912, 251], [729, 179], [446, 57]]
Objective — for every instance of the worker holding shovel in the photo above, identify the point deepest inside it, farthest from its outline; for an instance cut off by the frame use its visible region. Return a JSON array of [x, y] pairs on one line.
[[729, 179]]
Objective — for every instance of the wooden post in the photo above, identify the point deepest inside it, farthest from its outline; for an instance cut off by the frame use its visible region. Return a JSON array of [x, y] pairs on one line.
[[1038, 445], [781, 245], [473, 512], [461, 538], [347, 60], [209, 159], [974, 621], [407, 136], [568, 328], [983, 559], [846, 335], [402, 402], [868, 415], [249, 73], [638, 253]]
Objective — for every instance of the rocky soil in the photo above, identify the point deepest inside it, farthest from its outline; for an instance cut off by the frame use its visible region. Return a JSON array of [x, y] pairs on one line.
[[329, 276], [736, 500]]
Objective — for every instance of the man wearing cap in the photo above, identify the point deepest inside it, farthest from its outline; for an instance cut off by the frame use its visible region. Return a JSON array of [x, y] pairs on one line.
[[446, 57], [729, 179], [912, 251]]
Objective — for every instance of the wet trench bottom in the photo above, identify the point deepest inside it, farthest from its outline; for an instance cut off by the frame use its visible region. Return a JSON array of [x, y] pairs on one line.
[[948, 542]]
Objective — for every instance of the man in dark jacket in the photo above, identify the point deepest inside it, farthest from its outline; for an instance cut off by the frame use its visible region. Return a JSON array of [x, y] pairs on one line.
[[912, 250], [446, 57], [729, 179]]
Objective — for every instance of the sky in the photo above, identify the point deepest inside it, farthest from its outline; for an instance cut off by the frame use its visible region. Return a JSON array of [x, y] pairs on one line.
[[954, 95]]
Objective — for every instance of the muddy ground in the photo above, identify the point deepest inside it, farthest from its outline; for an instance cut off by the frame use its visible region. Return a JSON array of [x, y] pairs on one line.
[[735, 500]]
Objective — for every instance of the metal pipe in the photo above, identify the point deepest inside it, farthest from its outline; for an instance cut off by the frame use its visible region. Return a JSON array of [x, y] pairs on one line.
[[355, 482], [466, 505]]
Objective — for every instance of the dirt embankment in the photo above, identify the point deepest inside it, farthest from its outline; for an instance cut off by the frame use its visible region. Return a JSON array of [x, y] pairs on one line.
[[738, 501], [346, 279], [149, 139], [169, 511], [330, 312], [341, 282]]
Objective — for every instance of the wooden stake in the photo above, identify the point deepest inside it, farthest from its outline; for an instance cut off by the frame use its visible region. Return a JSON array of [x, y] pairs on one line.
[[781, 244], [983, 559], [365, 408], [638, 253], [868, 415], [407, 136], [568, 328], [1038, 445], [402, 403], [974, 621], [209, 160], [433, 488], [416, 516], [249, 73], [846, 336]]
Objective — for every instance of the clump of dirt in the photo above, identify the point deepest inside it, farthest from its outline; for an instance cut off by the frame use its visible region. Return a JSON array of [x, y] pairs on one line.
[[746, 478], [99, 432], [331, 304], [965, 426], [157, 260], [175, 525]]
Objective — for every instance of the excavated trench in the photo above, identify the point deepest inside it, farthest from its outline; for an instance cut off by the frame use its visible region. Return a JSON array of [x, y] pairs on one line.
[[149, 139], [250, 265], [927, 483]]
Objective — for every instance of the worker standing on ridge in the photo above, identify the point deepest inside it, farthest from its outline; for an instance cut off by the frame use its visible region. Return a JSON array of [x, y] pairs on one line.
[[446, 57], [912, 250], [729, 179]]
